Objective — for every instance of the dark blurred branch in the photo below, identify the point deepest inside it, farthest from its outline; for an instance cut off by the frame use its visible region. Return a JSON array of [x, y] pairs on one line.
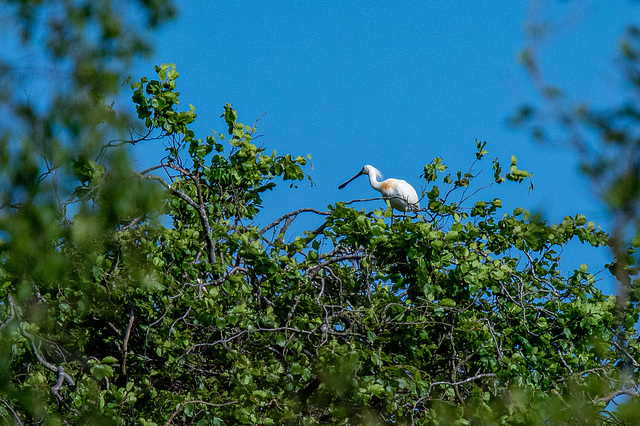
[[11, 315], [16, 419]]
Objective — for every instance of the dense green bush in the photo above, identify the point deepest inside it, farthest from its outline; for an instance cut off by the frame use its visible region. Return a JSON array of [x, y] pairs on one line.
[[153, 297]]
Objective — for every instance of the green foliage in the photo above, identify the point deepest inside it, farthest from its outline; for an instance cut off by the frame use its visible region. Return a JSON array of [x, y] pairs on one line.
[[605, 138], [460, 315]]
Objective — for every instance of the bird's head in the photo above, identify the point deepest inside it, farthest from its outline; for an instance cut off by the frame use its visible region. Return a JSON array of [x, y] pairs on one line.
[[368, 169]]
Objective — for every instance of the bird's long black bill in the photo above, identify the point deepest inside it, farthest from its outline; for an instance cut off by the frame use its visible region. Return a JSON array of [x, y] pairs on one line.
[[347, 182]]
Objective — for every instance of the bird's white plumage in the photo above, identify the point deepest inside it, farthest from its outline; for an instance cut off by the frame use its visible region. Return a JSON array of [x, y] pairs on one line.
[[401, 195]]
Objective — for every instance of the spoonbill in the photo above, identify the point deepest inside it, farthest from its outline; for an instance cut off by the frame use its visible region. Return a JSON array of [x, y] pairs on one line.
[[401, 195]]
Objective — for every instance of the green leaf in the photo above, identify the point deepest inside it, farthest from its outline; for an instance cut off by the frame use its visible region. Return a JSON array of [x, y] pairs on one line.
[[448, 302]]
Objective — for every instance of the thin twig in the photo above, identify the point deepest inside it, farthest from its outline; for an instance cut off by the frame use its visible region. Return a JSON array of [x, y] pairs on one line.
[[15, 415], [294, 213], [633, 361], [563, 360], [314, 270], [179, 319], [493, 335], [461, 382], [200, 208], [222, 279], [235, 336]]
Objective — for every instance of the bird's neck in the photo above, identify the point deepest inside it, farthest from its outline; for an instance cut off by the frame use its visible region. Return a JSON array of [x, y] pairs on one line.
[[374, 182]]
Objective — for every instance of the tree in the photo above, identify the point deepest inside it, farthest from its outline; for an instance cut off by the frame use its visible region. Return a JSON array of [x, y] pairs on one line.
[[605, 139], [156, 299]]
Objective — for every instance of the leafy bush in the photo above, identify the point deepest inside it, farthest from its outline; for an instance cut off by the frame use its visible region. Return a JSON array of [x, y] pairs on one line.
[[459, 315]]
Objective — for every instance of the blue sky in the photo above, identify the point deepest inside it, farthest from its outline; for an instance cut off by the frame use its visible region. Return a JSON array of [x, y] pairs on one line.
[[394, 84]]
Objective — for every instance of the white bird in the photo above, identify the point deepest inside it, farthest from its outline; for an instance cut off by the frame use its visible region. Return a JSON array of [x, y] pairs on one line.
[[401, 195]]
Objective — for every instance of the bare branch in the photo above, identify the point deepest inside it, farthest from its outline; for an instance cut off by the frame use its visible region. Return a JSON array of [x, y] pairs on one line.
[[55, 388], [461, 382], [316, 231], [173, 191], [125, 343], [493, 334], [43, 361], [119, 142], [222, 279], [360, 200], [623, 350], [294, 213], [179, 319], [563, 360], [255, 125], [15, 415], [200, 208], [313, 271], [156, 167], [617, 393], [62, 376], [235, 336]]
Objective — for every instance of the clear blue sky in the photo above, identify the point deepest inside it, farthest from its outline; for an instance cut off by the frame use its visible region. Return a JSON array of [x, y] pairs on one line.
[[394, 84]]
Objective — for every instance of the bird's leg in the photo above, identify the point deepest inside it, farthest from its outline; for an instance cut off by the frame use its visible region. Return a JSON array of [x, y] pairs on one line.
[[389, 208]]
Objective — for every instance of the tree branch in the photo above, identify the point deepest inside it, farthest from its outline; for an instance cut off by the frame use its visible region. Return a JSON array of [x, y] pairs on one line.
[[222, 279], [235, 336], [62, 376], [622, 349], [617, 393], [313, 271], [125, 343], [43, 361], [294, 213], [15, 415], [461, 382], [200, 208], [55, 388]]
